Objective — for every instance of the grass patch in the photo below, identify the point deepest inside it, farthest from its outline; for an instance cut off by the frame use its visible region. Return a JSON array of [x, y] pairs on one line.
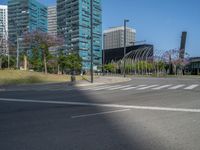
[[27, 77]]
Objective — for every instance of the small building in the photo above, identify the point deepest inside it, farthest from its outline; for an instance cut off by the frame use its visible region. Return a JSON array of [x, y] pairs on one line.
[[194, 66], [117, 54]]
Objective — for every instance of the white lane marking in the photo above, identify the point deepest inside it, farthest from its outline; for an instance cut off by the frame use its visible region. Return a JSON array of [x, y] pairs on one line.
[[101, 113], [161, 87], [134, 87], [177, 86], [104, 105], [120, 87], [191, 87], [147, 87], [102, 88], [2, 89]]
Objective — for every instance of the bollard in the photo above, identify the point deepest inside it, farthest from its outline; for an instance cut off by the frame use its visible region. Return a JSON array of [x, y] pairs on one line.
[[73, 78]]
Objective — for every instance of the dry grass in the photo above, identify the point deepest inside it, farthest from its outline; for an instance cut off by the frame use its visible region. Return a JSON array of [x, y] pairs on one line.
[[26, 77]]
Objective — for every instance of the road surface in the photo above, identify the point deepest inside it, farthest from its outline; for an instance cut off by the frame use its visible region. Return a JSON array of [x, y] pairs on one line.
[[142, 114]]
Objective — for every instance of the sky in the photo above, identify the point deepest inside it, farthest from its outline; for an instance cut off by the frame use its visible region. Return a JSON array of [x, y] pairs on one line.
[[159, 22]]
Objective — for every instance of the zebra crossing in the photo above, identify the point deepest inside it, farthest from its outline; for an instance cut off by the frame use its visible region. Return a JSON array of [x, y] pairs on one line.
[[141, 87]]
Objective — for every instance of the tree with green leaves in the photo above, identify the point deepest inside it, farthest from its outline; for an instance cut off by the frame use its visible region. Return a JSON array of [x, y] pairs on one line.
[[72, 62], [4, 62], [41, 42]]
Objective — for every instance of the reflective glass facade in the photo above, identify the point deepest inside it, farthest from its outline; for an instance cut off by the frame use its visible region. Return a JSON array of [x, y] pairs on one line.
[[3, 30], [25, 15], [74, 24]]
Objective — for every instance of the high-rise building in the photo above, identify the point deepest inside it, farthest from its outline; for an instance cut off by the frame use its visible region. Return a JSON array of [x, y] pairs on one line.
[[74, 24], [114, 37], [52, 20], [3, 30], [25, 16]]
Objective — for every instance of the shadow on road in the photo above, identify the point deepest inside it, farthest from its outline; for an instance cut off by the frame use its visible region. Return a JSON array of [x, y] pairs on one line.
[[37, 126]]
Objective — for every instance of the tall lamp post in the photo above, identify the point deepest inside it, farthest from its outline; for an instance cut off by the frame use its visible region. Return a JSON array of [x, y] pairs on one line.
[[103, 60], [125, 21], [91, 34]]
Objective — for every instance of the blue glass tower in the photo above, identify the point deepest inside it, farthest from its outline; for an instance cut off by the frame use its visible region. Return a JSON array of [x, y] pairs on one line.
[[25, 16], [74, 24]]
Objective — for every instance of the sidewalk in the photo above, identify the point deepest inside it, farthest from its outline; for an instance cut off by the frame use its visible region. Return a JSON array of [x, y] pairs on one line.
[[102, 80]]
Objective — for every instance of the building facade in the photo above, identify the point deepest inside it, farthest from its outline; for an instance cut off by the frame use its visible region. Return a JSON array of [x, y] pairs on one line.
[[52, 20], [74, 24], [194, 66], [3, 30], [114, 37], [25, 16]]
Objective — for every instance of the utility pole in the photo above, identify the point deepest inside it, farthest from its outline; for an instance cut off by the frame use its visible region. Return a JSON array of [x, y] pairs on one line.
[[125, 21], [91, 26]]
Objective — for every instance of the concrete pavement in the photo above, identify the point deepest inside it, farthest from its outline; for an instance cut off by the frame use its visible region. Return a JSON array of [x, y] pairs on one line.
[[158, 114]]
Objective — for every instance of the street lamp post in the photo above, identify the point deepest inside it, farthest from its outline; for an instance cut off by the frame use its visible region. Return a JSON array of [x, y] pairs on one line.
[[103, 62], [91, 34], [125, 21]]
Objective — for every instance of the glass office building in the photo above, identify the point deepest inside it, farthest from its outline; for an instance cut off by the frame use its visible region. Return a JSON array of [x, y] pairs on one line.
[[3, 30], [74, 24], [25, 16]]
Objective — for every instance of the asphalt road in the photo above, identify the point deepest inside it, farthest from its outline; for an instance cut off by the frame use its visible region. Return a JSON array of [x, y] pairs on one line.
[[142, 114]]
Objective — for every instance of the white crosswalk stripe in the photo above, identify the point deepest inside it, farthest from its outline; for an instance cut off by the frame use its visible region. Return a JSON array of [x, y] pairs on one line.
[[161, 87], [120, 87], [147, 87], [89, 88], [141, 87], [191, 87], [134, 87], [177, 87], [105, 87]]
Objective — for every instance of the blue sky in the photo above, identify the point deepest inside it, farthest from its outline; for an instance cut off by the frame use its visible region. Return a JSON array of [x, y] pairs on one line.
[[159, 22]]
